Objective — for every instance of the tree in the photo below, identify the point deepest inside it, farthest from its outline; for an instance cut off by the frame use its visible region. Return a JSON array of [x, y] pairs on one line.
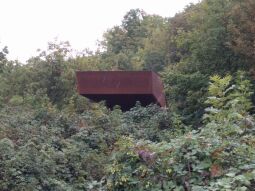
[[52, 71], [242, 28], [3, 58]]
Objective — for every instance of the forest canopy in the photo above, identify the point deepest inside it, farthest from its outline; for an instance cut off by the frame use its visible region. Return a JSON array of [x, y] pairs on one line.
[[53, 139]]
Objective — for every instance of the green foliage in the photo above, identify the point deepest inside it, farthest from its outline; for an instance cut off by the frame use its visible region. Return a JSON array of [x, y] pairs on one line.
[[186, 94], [151, 123], [154, 61], [51, 138], [43, 148], [16, 100], [219, 156]]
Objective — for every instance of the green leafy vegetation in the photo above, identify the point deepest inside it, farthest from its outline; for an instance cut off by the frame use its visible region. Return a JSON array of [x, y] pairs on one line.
[[53, 139]]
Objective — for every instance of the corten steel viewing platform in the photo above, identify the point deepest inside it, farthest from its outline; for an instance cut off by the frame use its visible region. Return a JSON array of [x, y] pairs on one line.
[[123, 88]]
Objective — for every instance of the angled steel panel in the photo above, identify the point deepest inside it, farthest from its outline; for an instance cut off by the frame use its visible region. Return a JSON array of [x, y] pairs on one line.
[[122, 88]]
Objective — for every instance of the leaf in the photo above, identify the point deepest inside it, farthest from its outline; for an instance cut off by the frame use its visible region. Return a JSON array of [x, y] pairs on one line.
[[231, 174], [229, 89], [216, 170], [204, 165]]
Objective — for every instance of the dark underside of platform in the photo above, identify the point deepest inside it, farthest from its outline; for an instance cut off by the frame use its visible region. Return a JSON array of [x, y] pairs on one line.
[[125, 101]]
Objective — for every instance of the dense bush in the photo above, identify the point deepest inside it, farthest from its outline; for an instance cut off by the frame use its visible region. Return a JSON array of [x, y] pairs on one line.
[[142, 149], [47, 149], [218, 156], [53, 139]]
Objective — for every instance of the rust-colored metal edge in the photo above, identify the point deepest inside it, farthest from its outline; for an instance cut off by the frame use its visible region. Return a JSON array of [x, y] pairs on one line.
[[153, 86]]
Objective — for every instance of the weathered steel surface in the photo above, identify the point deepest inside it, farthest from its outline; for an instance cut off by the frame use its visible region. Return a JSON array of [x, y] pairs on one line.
[[122, 88]]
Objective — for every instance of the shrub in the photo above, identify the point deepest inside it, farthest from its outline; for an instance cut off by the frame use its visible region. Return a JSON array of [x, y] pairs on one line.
[[16, 100]]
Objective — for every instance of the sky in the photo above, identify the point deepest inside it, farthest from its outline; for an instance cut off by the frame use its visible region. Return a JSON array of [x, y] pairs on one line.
[[29, 25]]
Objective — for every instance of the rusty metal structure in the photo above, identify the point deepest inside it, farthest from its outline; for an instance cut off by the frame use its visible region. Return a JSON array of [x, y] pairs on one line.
[[123, 88]]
